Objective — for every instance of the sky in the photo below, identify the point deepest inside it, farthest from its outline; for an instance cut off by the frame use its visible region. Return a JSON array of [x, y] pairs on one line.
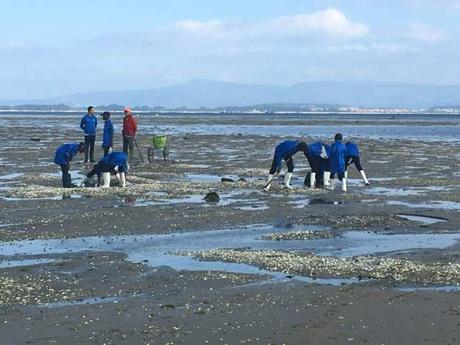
[[56, 47]]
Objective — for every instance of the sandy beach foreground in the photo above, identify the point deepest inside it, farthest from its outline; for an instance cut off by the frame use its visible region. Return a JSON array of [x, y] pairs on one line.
[[156, 264]]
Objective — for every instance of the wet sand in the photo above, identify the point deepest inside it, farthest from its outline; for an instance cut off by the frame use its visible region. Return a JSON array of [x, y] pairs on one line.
[[122, 293]]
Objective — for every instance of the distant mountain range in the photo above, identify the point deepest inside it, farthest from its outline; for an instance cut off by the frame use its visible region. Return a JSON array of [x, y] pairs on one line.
[[209, 94]]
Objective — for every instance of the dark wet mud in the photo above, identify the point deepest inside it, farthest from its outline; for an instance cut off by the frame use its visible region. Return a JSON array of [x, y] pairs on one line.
[[157, 263]]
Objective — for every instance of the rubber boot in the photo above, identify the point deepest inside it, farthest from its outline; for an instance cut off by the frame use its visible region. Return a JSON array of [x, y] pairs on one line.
[[67, 181], [64, 180], [287, 180], [122, 179], [331, 184], [106, 180], [312, 180], [269, 182], [363, 176], [71, 185], [326, 178], [344, 184]]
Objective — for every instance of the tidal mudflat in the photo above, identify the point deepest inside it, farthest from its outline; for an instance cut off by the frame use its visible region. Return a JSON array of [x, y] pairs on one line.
[[156, 263]]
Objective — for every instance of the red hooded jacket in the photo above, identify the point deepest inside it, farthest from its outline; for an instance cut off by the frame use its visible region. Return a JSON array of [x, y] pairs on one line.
[[129, 125]]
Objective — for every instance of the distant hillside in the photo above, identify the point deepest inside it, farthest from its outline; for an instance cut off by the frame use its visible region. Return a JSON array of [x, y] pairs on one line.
[[210, 94]]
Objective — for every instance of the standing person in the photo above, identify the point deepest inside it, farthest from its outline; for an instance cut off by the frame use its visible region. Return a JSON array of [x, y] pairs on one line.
[[129, 132], [285, 150], [114, 163], [107, 136], [63, 156], [338, 165], [353, 157], [89, 124]]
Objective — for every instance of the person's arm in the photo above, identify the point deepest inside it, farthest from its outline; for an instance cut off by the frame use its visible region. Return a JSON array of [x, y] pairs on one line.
[[95, 121], [134, 126], [83, 123]]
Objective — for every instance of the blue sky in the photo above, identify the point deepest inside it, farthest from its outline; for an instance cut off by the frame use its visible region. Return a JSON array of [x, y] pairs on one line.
[[54, 47]]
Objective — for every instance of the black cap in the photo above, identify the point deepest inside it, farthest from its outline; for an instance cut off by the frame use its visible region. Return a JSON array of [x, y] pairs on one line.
[[338, 136], [105, 115]]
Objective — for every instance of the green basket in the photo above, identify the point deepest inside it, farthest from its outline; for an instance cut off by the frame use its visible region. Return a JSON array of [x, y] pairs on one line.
[[159, 141]]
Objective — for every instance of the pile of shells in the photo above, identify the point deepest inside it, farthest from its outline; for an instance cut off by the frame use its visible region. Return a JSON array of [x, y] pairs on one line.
[[365, 267], [47, 288], [299, 235], [356, 222]]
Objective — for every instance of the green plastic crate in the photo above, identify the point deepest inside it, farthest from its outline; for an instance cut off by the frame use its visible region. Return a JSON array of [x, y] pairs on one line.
[[159, 141]]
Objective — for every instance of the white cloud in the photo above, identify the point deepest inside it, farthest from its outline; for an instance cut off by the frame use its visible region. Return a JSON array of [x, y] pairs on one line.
[[424, 33], [330, 22]]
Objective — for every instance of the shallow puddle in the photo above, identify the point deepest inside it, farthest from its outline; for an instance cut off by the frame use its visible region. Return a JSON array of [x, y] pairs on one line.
[[442, 205], [426, 220], [162, 250]]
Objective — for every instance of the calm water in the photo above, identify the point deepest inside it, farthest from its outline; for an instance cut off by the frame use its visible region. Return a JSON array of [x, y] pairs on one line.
[[410, 127]]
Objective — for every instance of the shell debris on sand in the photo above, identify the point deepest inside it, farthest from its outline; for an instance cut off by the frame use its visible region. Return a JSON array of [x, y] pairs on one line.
[[299, 235], [383, 268]]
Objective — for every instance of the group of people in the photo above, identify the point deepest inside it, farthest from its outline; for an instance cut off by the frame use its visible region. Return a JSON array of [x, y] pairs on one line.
[[112, 163], [326, 162], [89, 126]]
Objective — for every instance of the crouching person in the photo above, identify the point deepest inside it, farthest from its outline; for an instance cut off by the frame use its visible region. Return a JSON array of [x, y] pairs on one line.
[[285, 150], [114, 163], [353, 158], [63, 156]]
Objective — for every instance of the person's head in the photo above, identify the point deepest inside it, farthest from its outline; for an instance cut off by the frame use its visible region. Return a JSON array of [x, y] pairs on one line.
[[90, 110], [81, 147], [105, 115], [338, 137], [127, 111], [302, 146]]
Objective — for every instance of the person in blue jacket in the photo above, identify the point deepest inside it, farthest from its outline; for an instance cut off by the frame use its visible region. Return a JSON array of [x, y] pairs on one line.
[[352, 157], [115, 163], [107, 136], [285, 151], [89, 124], [338, 164], [63, 156], [318, 158]]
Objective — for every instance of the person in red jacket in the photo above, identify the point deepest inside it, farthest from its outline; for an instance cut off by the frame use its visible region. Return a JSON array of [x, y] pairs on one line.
[[129, 132]]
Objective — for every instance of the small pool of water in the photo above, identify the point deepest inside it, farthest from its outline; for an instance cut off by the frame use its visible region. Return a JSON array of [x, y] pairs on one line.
[[161, 250], [426, 220], [442, 205]]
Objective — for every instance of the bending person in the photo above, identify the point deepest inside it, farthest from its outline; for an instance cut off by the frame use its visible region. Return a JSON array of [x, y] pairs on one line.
[[63, 156], [318, 158], [285, 150], [353, 157], [338, 166], [114, 163]]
